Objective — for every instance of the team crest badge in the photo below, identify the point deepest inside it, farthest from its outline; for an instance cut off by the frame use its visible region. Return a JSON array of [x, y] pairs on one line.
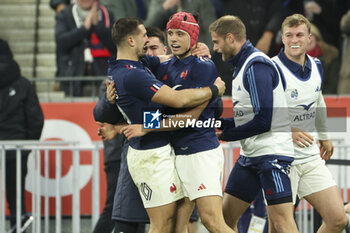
[[294, 94]]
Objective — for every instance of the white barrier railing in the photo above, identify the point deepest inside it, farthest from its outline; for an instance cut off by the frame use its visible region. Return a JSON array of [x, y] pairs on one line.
[[37, 147], [339, 166]]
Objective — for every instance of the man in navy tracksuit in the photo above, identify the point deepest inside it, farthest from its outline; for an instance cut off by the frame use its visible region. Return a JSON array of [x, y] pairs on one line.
[[261, 123]]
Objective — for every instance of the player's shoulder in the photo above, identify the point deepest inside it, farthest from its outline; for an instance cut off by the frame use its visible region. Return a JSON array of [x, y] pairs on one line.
[[204, 62], [316, 60], [262, 63], [260, 57], [128, 71], [166, 63]]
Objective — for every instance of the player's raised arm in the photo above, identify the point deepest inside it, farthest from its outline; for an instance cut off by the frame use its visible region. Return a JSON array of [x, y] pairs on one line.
[[188, 98]]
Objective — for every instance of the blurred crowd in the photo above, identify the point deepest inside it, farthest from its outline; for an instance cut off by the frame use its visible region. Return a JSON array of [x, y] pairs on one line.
[[84, 43]]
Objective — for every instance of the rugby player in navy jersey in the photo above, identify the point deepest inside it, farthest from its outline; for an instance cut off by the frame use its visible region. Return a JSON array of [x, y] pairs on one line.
[[302, 75], [128, 211], [150, 161], [262, 125], [199, 156]]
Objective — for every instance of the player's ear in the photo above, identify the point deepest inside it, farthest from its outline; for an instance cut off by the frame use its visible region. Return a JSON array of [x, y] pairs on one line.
[[130, 40], [230, 37]]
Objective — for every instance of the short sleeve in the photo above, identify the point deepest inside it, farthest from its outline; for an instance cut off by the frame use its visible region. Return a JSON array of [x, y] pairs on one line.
[[142, 84], [204, 73]]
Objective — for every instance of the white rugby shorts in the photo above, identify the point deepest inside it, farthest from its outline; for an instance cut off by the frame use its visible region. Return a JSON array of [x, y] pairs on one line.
[[153, 171], [201, 174], [310, 177]]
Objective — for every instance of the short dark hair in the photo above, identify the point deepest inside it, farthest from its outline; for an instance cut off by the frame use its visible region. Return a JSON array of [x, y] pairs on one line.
[[156, 32], [123, 28], [229, 24]]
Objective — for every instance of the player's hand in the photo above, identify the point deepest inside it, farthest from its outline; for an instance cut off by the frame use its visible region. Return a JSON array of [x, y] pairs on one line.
[[201, 50], [326, 149], [301, 138], [110, 91], [106, 131], [220, 85], [132, 131], [164, 58]]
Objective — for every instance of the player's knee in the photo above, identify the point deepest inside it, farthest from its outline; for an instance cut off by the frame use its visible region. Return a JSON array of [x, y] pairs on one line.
[[280, 228], [166, 225], [210, 222], [283, 226], [169, 225], [230, 221], [338, 223]]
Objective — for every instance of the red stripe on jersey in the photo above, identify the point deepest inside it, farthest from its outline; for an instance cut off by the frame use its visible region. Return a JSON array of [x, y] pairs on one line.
[[153, 89]]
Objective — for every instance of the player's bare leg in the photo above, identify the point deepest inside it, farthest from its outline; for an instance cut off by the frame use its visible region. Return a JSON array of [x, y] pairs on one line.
[[211, 214], [191, 227], [329, 205], [184, 211], [233, 209], [281, 218], [162, 218]]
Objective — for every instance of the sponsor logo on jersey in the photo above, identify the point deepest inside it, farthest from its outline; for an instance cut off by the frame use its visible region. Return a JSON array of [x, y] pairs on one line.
[[239, 88], [238, 113], [306, 107], [318, 89], [305, 116]]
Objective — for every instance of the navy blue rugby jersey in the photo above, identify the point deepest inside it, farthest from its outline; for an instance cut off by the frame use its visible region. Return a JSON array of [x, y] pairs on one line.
[[135, 86], [191, 72]]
